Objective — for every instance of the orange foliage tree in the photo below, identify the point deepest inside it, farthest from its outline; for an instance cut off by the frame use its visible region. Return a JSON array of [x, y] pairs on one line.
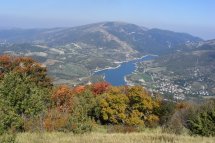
[[100, 87], [25, 66], [62, 98], [78, 89], [58, 115]]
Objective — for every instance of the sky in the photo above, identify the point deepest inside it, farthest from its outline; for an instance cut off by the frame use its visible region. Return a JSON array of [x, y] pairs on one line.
[[196, 17]]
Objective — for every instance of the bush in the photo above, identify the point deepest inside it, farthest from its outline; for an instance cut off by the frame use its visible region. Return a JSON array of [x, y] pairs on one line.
[[8, 138], [35, 124], [9, 120], [24, 96], [20, 99], [55, 120], [201, 121], [175, 125], [80, 120], [177, 114], [165, 112]]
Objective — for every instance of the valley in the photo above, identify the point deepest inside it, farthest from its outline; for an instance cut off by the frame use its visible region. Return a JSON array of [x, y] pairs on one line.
[[183, 68], [107, 71]]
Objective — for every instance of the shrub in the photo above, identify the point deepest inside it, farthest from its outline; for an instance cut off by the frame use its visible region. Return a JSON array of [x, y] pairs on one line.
[[62, 98], [165, 112], [176, 122], [55, 120], [20, 99], [80, 120], [24, 96], [175, 125], [201, 121], [8, 138]]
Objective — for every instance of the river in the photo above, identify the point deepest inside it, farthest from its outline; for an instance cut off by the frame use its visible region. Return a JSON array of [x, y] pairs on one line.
[[116, 76]]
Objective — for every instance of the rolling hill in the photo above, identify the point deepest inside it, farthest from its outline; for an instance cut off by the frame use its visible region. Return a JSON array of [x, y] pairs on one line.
[[73, 53]]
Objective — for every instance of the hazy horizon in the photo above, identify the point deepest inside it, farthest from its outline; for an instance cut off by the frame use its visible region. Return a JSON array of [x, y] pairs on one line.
[[193, 17]]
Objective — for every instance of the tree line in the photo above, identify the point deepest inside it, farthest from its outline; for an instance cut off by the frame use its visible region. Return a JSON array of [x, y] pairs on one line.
[[30, 102]]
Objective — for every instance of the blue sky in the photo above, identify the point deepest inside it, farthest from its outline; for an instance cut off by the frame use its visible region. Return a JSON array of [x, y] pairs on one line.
[[192, 16]]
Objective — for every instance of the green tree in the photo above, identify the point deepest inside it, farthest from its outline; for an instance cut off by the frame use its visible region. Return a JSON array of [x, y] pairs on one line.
[[22, 97], [201, 121], [81, 117], [165, 111]]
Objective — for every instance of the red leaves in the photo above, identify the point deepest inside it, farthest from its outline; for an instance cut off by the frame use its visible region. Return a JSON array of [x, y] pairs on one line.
[[100, 87], [25, 66], [5, 60], [62, 98], [5, 64], [79, 89]]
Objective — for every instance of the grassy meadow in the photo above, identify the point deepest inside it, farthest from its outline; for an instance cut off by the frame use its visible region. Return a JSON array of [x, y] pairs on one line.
[[99, 137]]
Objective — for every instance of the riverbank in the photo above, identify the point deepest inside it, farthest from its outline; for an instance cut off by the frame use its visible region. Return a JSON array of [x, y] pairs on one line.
[[108, 68], [117, 75], [130, 83]]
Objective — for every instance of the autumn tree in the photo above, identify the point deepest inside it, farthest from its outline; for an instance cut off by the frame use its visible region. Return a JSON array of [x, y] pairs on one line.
[[112, 106], [62, 98], [6, 64], [79, 89], [100, 87], [25, 66], [141, 107], [129, 106], [62, 104]]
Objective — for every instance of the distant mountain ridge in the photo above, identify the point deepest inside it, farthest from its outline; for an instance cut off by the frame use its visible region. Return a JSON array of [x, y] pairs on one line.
[[72, 54], [104, 34]]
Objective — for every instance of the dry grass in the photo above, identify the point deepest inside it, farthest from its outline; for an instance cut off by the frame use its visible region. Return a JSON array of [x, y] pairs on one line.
[[143, 137]]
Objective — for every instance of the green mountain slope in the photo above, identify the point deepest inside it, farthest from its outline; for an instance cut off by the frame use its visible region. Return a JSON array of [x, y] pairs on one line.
[[89, 47]]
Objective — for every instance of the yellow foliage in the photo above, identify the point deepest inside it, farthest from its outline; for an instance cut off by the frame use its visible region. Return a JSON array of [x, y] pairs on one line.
[[152, 120], [129, 105], [113, 106], [135, 118]]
